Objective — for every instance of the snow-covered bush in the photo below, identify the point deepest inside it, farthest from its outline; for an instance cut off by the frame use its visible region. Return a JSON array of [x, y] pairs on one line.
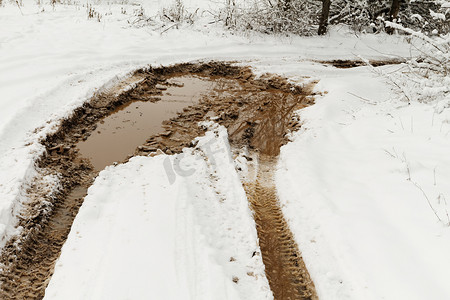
[[271, 16], [139, 17], [90, 12], [369, 15], [430, 17], [426, 77], [360, 15], [176, 13]]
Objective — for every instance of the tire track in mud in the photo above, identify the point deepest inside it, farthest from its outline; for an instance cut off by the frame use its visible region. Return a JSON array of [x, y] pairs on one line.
[[285, 269], [258, 112], [32, 270]]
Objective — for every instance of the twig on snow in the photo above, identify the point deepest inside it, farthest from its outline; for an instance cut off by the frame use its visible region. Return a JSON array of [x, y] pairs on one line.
[[362, 98], [170, 27], [428, 200], [17, 2]]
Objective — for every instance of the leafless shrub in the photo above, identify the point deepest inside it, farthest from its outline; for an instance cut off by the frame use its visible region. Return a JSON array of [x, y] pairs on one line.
[[359, 15], [426, 16], [139, 18], [92, 13], [369, 15], [177, 14], [272, 16], [425, 77]]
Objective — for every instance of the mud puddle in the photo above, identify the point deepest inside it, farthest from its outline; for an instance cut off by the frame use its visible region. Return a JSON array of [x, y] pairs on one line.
[[160, 112], [118, 135]]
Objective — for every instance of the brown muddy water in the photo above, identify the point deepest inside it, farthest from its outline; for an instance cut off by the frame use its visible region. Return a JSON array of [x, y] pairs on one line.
[[118, 135], [160, 113]]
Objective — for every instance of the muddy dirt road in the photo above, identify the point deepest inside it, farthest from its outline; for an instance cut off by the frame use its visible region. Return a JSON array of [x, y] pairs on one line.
[[160, 112]]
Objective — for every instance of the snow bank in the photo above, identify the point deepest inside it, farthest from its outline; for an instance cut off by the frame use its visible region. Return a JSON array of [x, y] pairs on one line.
[[137, 236], [354, 185]]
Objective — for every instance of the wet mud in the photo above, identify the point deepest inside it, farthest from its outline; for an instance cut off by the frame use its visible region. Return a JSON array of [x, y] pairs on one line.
[[118, 135], [285, 269], [157, 110], [347, 64]]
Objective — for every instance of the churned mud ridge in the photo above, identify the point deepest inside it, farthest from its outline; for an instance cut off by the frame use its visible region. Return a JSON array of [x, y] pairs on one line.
[[245, 105], [348, 63], [285, 269], [258, 113]]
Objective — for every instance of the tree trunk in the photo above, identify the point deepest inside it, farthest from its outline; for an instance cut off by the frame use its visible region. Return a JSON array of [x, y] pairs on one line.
[[324, 17], [395, 9], [393, 14]]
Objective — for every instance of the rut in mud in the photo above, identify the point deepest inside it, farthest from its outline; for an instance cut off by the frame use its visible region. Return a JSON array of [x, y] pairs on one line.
[[41, 250], [257, 113], [285, 269]]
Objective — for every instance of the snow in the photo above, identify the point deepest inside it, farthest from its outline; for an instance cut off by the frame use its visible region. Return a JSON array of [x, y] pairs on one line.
[[359, 215], [138, 236], [354, 182]]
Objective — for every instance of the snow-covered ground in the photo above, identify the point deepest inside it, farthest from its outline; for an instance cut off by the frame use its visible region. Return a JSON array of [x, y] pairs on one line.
[[354, 182], [357, 184]]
